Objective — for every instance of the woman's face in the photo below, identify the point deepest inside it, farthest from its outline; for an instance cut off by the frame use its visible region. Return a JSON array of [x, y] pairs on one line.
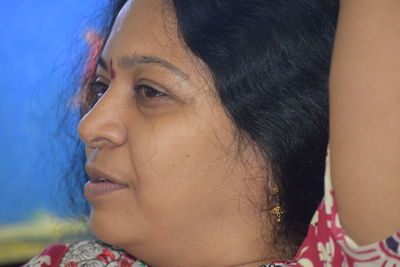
[[159, 135]]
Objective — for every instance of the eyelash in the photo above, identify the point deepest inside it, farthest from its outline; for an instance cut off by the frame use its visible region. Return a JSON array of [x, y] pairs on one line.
[[96, 91], [143, 92]]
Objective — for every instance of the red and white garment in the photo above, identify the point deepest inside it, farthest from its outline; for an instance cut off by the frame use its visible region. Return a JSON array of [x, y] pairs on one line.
[[327, 243]]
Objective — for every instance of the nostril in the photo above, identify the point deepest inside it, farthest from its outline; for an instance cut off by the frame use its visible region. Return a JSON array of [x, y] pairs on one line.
[[99, 141]]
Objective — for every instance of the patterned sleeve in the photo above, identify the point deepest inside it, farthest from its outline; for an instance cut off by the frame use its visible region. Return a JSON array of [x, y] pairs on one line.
[[50, 257], [83, 254], [327, 244]]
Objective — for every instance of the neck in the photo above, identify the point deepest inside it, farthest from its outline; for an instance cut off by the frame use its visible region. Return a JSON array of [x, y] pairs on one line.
[[226, 254]]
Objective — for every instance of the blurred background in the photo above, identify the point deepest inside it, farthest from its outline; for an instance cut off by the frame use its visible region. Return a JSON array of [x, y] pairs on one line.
[[41, 41]]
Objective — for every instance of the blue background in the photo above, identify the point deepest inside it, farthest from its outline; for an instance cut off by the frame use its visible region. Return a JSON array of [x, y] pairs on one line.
[[39, 40]]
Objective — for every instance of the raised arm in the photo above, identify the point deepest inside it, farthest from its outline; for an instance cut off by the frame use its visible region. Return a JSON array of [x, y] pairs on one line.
[[365, 118]]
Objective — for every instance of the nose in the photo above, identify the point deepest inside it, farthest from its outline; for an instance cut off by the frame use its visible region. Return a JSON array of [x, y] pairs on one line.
[[102, 126]]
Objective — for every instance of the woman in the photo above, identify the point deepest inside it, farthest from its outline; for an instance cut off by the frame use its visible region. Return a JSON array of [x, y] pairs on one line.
[[206, 136]]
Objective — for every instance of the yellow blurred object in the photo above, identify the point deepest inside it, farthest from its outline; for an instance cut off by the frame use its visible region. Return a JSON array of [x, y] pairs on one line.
[[20, 242]]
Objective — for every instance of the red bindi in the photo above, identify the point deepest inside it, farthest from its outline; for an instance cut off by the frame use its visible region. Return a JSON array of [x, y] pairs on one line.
[[112, 71]]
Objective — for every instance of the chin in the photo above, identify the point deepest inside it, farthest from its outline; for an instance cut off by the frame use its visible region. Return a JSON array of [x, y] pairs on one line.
[[106, 228]]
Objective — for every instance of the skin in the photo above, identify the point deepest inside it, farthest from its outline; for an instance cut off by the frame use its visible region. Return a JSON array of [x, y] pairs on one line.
[[365, 121], [190, 199]]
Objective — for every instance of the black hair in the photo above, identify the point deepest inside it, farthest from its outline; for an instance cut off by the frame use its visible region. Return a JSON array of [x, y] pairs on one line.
[[270, 62]]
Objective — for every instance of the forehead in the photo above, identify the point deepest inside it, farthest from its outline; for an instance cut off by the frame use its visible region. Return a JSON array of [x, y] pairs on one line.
[[142, 15], [146, 28]]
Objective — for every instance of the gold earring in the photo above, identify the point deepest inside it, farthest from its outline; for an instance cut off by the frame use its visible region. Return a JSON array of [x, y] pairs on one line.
[[275, 189], [277, 210]]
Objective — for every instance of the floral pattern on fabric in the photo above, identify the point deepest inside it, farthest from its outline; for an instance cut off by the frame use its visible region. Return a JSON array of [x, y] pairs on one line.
[[50, 257], [327, 244], [90, 253]]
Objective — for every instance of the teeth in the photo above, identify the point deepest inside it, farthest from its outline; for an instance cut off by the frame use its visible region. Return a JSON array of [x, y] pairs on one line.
[[100, 180]]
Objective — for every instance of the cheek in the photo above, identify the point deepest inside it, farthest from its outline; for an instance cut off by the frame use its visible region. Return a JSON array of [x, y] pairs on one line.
[[182, 165]]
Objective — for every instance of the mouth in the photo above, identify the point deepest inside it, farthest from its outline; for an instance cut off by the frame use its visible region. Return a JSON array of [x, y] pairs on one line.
[[100, 184], [101, 180]]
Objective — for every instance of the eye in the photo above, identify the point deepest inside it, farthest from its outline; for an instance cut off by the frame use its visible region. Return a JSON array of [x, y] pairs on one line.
[[96, 91], [146, 91], [152, 97]]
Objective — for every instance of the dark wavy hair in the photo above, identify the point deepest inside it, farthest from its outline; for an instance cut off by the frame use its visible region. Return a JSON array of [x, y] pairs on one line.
[[269, 61]]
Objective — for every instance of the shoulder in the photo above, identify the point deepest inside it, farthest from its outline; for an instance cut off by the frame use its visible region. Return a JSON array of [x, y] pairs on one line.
[[51, 256], [83, 253]]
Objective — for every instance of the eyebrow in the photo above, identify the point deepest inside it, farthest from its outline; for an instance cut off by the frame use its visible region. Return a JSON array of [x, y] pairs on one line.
[[126, 62]]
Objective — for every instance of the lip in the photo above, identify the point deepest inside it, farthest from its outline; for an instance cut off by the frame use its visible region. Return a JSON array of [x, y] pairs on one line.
[[94, 188], [96, 173]]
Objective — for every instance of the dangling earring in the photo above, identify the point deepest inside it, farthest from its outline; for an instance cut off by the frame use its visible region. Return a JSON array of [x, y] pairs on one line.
[[277, 210]]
